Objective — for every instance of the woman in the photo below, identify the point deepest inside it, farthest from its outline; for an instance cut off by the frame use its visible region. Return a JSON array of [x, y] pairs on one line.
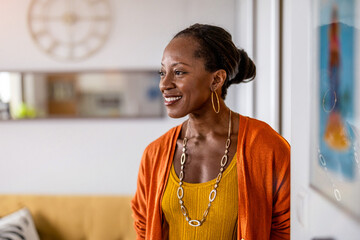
[[219, 175]]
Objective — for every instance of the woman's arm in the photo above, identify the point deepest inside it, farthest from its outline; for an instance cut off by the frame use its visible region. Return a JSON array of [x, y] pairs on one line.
[[138, 203], [280, 227]]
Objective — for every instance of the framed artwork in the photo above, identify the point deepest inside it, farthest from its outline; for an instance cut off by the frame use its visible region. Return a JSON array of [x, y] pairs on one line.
[[334, 167], [90, 94]]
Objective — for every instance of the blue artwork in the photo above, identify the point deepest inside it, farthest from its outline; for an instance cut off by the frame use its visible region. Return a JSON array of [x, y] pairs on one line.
[[336, 88]]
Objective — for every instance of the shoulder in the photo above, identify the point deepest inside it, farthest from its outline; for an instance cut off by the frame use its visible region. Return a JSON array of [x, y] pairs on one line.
[[163, 143], [262, 141], [156, 155], [267, 153], [259, 132]]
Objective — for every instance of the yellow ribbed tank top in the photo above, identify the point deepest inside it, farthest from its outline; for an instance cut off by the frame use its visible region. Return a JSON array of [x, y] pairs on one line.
[[221, 222]]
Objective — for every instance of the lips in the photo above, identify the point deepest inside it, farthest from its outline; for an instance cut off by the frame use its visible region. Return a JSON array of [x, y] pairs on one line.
[[171, 100]]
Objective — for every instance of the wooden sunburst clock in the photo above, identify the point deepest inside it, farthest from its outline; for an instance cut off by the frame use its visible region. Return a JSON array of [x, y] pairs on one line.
[[69, 30]]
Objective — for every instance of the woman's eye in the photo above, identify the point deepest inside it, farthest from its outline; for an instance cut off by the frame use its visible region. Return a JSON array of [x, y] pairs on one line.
[[161, 73], [179, 73]]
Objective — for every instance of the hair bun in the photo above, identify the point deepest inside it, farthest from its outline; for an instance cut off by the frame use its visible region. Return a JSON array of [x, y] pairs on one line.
[[246, 69]]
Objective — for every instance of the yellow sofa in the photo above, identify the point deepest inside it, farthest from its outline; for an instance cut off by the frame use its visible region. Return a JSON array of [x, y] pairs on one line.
[[75, 217]]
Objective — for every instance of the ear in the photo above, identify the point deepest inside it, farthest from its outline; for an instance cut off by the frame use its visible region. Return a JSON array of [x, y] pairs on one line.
[[218, 80]]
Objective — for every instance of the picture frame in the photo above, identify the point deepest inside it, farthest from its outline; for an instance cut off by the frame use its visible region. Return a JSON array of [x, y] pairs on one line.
[[334, 160], [83, 94]]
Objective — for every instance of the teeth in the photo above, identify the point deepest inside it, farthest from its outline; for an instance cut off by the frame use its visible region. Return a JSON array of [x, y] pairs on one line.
[[171, 99]]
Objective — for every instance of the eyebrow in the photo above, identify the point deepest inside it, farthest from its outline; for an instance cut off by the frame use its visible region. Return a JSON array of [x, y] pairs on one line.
[[177, 63]]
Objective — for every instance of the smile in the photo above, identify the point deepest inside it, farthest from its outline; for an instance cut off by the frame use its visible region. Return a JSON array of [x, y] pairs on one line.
[[171, 100]]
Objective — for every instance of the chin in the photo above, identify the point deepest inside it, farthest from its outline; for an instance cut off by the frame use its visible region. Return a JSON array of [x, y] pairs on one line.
[[174, 114]]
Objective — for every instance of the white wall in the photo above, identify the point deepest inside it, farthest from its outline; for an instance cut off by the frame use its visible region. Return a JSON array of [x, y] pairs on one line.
[[266, 27], [141, 30], [319, 217], [243, 94], [92, 156], [74, 156]]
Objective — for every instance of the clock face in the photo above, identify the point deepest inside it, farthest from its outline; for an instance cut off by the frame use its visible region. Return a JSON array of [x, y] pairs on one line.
[[69, 30]]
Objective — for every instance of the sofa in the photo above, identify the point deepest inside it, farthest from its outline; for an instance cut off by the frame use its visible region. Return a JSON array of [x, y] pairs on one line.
[[58, 217]]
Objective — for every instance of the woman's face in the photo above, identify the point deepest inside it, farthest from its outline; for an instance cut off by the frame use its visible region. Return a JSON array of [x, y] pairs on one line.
[[185, 84]]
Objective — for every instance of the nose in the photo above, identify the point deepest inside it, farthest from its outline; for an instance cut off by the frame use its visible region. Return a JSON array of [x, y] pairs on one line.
[[166, 82]]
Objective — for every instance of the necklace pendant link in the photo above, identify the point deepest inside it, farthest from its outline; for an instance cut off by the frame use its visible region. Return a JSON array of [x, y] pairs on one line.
[[194, 223], [183, 158], [212, 195], [181, 177], [227, 143], [218, 178], [224, 160], [183, 210], [180, 192]]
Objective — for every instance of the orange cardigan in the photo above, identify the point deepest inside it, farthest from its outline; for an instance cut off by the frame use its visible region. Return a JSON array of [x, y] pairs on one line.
[[263, 168]]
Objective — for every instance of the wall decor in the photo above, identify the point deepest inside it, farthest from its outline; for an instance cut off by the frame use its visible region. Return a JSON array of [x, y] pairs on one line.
[[335, 168], [69, 30], [91, 94]]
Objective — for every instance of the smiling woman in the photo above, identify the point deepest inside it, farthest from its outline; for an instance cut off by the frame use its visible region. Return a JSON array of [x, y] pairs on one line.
[[219, 175]]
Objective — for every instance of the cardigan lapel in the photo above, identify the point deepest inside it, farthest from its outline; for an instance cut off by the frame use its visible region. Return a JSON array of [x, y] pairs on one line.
[[166, 163], [243, 207]]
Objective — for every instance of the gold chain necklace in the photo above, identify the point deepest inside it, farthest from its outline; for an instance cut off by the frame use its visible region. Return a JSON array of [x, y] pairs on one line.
[[212, 195]]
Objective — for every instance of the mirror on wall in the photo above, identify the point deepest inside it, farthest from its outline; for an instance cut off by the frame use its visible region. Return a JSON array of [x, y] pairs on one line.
[[107, 94]]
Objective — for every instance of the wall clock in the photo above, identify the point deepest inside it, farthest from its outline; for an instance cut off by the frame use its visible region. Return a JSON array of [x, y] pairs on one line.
[[69, 30]]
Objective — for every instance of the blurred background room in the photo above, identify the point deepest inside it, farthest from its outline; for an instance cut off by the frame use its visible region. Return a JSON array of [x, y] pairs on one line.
[[79, 102]]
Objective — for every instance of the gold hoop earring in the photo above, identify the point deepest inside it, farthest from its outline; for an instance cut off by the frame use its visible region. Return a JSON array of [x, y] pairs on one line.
[[217, 99]]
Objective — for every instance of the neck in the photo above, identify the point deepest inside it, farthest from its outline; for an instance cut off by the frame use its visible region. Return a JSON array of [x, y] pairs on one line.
[[208, 123]]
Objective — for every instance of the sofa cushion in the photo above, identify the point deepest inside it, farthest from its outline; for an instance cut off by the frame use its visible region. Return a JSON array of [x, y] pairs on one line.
[[18, 225], [59, 217]]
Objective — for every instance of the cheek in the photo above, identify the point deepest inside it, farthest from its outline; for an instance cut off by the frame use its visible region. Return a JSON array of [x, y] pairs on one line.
[[202, 88], [198, 94], [196, 88]]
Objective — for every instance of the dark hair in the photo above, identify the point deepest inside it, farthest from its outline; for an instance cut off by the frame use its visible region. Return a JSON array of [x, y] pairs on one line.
[[219, 52]]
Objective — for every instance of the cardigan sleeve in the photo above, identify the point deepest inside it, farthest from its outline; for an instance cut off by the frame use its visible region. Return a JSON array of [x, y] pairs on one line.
[[139, 202], [268, 171], [145, 205], [280, 226]]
